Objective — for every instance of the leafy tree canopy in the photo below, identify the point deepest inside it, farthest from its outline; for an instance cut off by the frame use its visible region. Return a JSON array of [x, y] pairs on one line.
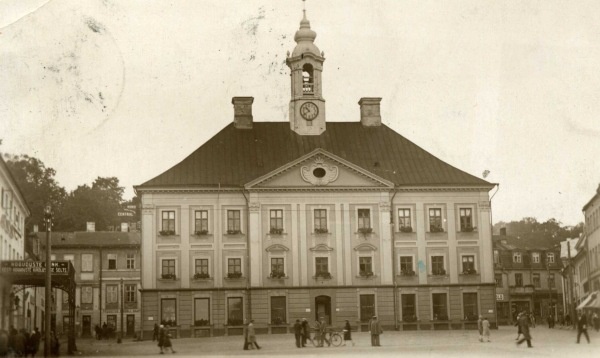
[[551, 228]]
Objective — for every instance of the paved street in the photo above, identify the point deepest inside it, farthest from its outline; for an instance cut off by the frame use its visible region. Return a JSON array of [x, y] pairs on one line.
[[546, 342]]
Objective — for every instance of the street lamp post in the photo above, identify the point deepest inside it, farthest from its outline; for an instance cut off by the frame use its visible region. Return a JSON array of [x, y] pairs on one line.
[[47, 306]]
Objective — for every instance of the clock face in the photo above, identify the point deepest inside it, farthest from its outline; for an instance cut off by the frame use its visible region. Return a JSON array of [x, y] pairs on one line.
[[309, 111]]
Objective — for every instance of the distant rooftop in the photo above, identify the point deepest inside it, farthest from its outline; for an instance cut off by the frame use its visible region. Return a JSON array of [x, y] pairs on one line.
[[92, 239]]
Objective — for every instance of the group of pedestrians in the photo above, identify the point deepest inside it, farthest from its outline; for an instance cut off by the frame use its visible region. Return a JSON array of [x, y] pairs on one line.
[[20, 343]]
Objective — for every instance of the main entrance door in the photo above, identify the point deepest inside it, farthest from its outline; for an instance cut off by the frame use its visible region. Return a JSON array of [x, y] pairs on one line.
[[323, 308], [86, 325], [130, 325]]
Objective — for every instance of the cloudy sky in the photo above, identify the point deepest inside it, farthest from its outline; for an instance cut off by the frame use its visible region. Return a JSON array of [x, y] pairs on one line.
[[130, 88]]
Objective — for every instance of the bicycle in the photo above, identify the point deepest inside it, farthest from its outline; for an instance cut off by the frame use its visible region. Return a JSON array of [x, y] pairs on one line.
[[335, 338]]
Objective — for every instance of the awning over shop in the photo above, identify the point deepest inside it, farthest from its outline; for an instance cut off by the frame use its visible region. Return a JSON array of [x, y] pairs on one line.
[[590, 302]]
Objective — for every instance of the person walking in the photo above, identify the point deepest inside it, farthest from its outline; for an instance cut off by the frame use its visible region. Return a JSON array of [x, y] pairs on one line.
[[305, 331], [582, 327], [486, 328], [524, 330], [480, 328], [167, 342], [35, 341], [518, 326], [323, 333], [298, 333], [155, 333], [376, 331], [252, 335], [348, 333], [161, 338]]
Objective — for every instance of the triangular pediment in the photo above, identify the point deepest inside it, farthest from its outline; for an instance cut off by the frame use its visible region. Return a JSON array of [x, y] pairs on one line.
[[319, 170]]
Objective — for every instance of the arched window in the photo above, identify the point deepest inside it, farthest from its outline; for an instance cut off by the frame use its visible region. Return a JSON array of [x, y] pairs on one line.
[[308, 84]]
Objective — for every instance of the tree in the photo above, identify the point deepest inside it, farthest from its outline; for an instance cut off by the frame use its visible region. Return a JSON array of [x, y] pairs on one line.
[[38, 186], [551, 228], [98, 203]]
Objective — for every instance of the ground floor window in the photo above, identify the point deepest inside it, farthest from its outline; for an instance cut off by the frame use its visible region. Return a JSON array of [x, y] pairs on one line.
[[409, 311], [168, 313], [111, 321], [367, 307], [201, 311], [439, 306], [278, 310], [470, 306], [235, 311]]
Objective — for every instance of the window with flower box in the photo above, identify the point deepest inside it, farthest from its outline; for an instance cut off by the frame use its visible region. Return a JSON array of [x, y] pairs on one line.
[[435, 220], [437, 266], [364, 221], [365, 266], [468, 265], [201, 222], [234, 222], [276, 221], [322, 267], [234, 267], [201, 312], [466, 219], [277, 267], [168, 269], [320, 221], [404, 220], [407, 266], [201, 268], [168, 223]]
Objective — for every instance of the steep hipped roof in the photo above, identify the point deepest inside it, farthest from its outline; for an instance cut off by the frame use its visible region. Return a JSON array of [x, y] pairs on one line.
[[526, 241], [234, 157]]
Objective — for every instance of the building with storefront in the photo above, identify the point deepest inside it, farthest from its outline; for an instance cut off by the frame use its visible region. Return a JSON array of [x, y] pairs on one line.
[[13, 212], [528, 276], [278, 221], [107, 273], [590, 245]]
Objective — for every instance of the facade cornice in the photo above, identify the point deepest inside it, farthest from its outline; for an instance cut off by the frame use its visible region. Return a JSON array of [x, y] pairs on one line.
[[415, 189]]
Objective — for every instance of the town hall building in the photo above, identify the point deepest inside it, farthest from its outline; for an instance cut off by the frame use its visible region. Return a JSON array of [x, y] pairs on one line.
[[307, 218]]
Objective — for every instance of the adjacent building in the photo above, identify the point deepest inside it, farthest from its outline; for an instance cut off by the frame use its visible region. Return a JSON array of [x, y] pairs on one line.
[[13, 212], [107, 267], [307, 218], [527, 271], [590, 245]]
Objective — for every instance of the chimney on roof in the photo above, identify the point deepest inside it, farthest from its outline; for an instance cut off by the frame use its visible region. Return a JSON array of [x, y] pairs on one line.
[[242, 112], [502, 231], [370, 115], [90, 226]]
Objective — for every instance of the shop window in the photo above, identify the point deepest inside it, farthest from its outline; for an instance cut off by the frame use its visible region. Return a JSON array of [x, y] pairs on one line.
[[235, 311], [201, 312], [439, 306], [278, 310], [367, 307]]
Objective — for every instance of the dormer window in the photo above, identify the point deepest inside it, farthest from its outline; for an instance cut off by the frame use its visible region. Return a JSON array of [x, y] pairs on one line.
[[308, 80]]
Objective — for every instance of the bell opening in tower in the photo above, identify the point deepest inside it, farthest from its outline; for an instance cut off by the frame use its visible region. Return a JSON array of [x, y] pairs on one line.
[[308, 84]]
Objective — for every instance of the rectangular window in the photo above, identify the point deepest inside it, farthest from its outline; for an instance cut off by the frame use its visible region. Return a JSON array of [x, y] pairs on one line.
[[550, 257], [470, 306], [439, 306], [168, 313], [535, 257], [87, 262], [70, 258], [468, 264], [404, 222], [321, 265], [130, 293], [496, 257], [365, 265], [235, 311], [466, 219], [201, 312], [168, 268], [234, 265], [201, 267], [112, 261], [276, 221], [277, 266], [278, 311], [87, 295], [409, 308], [406, 266], [437, 265], [367, 307], [168, 221], [517, 257], [364, 218], [234, 223], [551, 281], [435, 220], [201, 222], [112, 295], [320, 220], [131, 261], [518, 279], [498, 278], [536, 280], [111, 321]]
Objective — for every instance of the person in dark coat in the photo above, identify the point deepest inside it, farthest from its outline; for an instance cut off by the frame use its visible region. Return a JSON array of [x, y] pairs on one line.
[[348, 333], [166, 341], [3, 343], [155, 333], [161, 338], [518, 326], [19, 343], [34, 340], [376, 331], [524, 329], [582, 327], [54, 344], [298, 333], [305, 331]]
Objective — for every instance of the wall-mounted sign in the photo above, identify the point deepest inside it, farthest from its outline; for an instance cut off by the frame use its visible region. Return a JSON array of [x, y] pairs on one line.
[[499, 296], [27, 267]]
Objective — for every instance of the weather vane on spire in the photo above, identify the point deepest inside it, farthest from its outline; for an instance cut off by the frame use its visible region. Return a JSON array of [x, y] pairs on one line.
[[304, 7]]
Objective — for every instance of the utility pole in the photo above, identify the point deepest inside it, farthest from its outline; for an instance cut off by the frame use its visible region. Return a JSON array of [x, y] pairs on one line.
[[47, 308]]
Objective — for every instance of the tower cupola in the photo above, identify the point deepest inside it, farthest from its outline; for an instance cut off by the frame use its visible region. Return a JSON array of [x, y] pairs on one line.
[[307, 105]]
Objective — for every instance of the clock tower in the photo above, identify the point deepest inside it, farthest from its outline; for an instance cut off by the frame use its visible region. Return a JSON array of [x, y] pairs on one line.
[[307, 106]]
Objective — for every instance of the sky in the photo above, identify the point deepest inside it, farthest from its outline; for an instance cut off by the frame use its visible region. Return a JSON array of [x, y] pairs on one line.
[[130, 88]]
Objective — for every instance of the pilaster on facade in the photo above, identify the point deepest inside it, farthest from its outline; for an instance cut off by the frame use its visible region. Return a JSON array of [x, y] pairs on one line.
[[385, 242], [255, 249], [341, 276], [453, 260]]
